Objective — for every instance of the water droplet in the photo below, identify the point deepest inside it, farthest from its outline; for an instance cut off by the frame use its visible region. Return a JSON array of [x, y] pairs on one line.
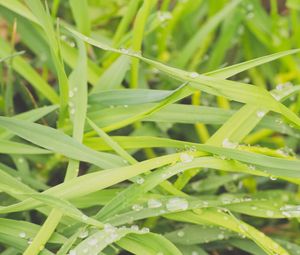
[[180, 233], [145, 230], [137, 207], [241, 30], [84, 234], [249, 7], [72, 111], [270, 213], [111, 238], [260, 114], [93, 241], [275, 95], [221, 236], [273, 178], [185, 157], [251, 167], [228, 144], [22, 234], [193, 75], [108, 228], [140, 180], [84, 217], [72, 44], [164, 16], [71, 93], [154, 203], [250, 15], [125, 51], [134, 227], [291, 211], [177, 204], [72, 252]]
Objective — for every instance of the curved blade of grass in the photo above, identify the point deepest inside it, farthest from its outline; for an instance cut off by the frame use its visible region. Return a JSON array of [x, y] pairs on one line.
[[15, 227], [148, 244], [25, 70], [103, 238], [58, 142], [212, 216], [9, 147], [232, 90]]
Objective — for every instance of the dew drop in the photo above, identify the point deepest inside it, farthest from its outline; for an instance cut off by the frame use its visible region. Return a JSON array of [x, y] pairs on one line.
[[250, 15], [22, 234], [140, 180], [273, 178], [260, 114], [134, 227], [221, 236], [180, 233], [92, 241], [137, 207], [270, 213], [251, 167], [154, 203], [83, 234], [84, 217], [228, 144], [125, 51], [72, 252], [193, 75], [186, 158], [108, 228], [71, 93], [145, 230], [177, 204]]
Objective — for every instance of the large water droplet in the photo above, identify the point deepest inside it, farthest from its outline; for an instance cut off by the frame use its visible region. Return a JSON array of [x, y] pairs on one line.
[[177, 204]]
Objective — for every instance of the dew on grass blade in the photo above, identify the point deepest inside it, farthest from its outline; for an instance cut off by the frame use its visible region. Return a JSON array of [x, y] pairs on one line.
[[177, 204], [154, 203]]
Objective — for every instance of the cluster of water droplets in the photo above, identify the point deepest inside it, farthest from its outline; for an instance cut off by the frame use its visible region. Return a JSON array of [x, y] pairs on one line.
[[249, 9], [163, 17], [72, 93], [290, 211], [68, 40]]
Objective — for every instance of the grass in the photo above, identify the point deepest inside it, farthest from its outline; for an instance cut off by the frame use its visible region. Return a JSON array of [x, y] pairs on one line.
[[149, 127]]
